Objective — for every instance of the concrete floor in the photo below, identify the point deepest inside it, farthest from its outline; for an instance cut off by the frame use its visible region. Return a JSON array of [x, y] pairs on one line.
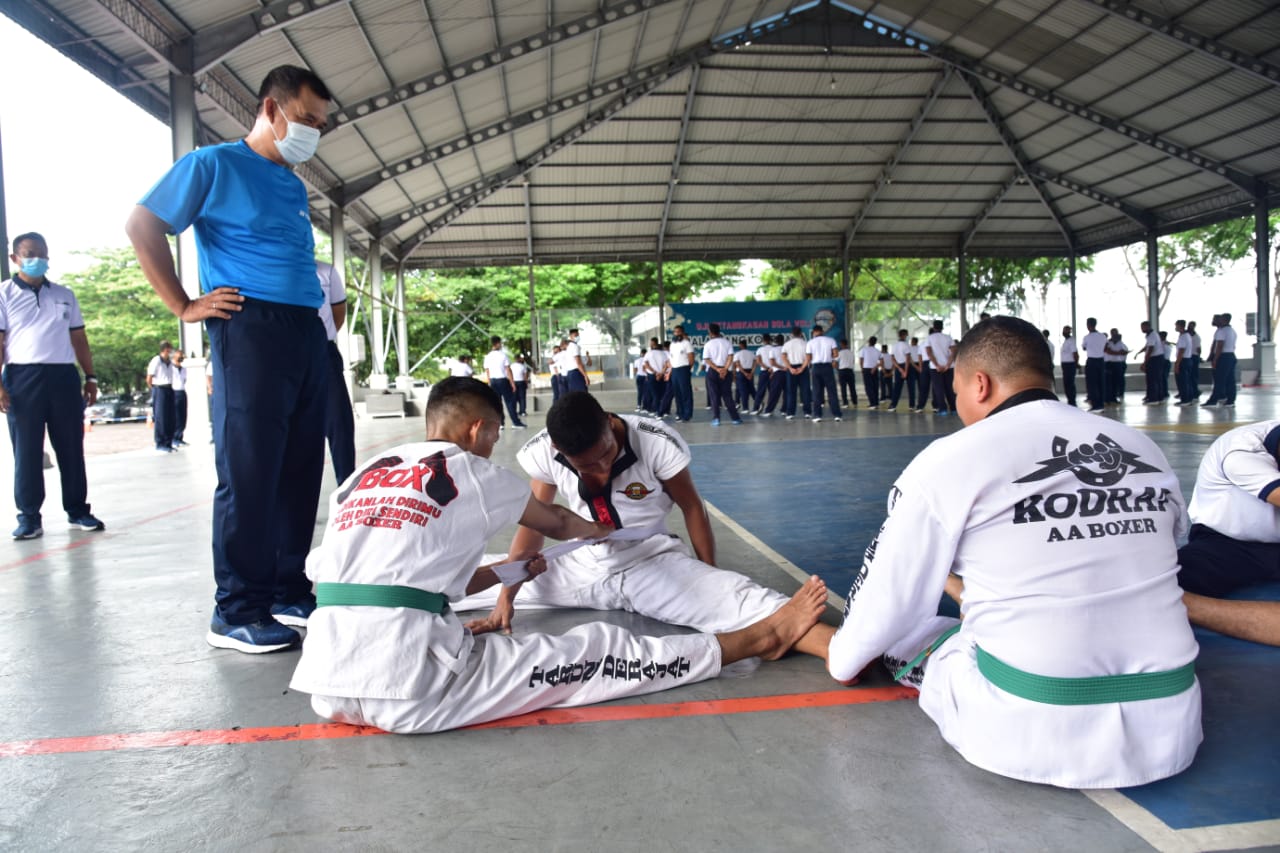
[[121, 730]]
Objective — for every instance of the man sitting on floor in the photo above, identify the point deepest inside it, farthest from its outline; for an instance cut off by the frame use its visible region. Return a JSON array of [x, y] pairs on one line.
[[1235, 534], [404, 536], [628, 472], [1074, 663]]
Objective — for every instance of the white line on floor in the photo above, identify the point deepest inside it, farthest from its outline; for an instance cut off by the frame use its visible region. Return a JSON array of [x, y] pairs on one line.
[[1229, 836]]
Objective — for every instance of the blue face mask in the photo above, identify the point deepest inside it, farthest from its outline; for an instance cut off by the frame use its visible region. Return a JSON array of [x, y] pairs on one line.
[[35, 267]]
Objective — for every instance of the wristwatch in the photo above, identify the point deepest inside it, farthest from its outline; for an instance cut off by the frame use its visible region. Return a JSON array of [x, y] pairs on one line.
[[90, 378]]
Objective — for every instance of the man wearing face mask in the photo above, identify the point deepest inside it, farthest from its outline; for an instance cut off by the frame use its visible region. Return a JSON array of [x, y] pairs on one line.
[[41, 338], [260, 296]]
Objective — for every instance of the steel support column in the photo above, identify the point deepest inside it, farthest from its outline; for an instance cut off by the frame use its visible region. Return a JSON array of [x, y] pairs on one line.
[[963, 275], [403, 380], [1264, 351], [1153, 281], [378, 378], [662, 304], [4, 226], [183, 122], [338, 242], [1071, 275]]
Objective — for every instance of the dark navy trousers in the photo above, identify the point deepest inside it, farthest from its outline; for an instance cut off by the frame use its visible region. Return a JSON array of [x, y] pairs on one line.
[[46, 396], [340, 420], [179, 415], [268, 435], [682, 383], [798, 383], [824, 380], [508, 396], [163, 414]]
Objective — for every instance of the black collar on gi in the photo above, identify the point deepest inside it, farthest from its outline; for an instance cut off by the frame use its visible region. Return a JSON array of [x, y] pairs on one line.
[[1021, 397], [602, 508]]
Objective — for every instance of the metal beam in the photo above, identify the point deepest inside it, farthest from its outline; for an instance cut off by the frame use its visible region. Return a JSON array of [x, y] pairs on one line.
[[1151, 22], [492, 59], [1020, 160], [886, 176], [645, 81], [891, 36], [967, 237], [210, 46], [675, 163]]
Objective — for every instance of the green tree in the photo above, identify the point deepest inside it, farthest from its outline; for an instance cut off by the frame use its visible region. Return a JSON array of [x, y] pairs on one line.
[[1204, 251], [124, 319]]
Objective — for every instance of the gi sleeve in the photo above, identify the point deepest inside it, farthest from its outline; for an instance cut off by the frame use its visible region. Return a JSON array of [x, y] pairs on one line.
[[537, 457], [903, 573], [178, 198], [670, 453], [1254, 471]]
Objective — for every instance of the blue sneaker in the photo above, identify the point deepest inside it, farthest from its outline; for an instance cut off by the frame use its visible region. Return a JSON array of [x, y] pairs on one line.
[[86, 522], [715, 422], [257, 638], [28, 529], [295, 615], [737, 422]]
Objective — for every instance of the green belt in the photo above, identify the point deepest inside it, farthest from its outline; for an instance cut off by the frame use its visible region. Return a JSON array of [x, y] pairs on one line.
[[379, 595], [928, 650], [1098, 690]]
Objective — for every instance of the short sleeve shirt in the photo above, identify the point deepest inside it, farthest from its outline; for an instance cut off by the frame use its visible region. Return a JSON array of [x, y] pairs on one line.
[[1068, 350], [496, 363], [1094, 344], [847, 359], [657, 359], [901, 352], [160, 371], [37, 322], [718, 351], [1237, 475], [680, 352], [870, 357], [333, 293], [793, 351], [251, 220], [1227, 335], [821, 349]]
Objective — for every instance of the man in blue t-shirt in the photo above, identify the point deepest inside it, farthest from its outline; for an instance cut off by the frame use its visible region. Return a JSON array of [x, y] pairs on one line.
[[259, 298]]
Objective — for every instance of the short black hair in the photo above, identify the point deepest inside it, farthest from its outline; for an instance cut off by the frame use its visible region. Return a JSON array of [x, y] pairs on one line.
[[285, 82], [817, 330], [1005, 347], [871, 341], [576, 422], [30, 235], [714, 328], [778, 340], [460, 396], [166, 345], [844, 342], [495, 340]]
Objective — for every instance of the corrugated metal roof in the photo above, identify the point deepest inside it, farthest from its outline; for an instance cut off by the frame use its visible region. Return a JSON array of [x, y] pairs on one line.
[[751, 128]]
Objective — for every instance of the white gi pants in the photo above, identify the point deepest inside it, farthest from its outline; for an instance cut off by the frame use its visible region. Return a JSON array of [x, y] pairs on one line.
[[658, 578], [505, 676]]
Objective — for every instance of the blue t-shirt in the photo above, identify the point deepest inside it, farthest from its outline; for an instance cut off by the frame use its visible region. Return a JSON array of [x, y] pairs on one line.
[[253, 230]]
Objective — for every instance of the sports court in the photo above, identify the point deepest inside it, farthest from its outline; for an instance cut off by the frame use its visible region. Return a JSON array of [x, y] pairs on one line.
[[123, 730]]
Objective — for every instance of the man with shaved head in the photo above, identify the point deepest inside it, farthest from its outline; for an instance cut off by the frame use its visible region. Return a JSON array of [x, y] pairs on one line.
[[1073, 664]]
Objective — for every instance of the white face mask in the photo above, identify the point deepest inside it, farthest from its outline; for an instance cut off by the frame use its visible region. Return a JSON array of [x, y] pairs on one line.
[[299, 143]]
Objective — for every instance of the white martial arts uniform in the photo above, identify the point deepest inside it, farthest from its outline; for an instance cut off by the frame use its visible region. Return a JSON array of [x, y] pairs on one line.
[[1064, 532], [419, 517], [656, 577]]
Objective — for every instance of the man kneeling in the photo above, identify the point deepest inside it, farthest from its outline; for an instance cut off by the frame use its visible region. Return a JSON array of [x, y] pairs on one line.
[[405, 533], [1074, 663]]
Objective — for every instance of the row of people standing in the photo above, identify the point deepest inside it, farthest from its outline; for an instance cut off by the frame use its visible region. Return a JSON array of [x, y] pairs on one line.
[[1105, 360]]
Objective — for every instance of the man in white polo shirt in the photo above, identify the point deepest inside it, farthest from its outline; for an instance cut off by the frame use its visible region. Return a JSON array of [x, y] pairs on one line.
[[41, 339], [520, 376], [901, 352], [777, 382], [821, 352], [1235, 534], [160, 381], [795, 359], [1223, 358], [1153, 365], [717, 355], [497, 369], [1182, 363], [1094, 344], [680, 383], [846, 367], [1070, 360], [574, 371], [941, 347], [657, 368], [1046, 529], [745, 368], [339, 420], [870, 358]]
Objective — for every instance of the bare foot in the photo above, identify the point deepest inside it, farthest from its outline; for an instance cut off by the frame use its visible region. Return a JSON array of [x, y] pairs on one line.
[[773, 636]]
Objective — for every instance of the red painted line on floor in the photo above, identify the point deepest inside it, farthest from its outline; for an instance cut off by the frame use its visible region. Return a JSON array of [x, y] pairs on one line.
[[547, 717]]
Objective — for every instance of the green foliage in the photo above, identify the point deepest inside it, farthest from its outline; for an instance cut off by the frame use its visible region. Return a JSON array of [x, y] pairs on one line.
[[124, 319], [1203, 251]]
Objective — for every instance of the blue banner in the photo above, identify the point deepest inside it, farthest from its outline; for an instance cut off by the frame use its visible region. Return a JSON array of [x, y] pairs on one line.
[[753, 320]]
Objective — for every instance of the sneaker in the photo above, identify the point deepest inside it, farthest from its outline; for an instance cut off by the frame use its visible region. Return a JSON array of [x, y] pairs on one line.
[[28, 530], [715, 422], [737, 422], [892, 409], [1228, 405], [295, 615], [257, 638], [942, 413], [177, 442], [838, 420], [165, 450], [519, 426], [1210, 405], [815, 420], [86, 522], [766, 414], [791, 417]]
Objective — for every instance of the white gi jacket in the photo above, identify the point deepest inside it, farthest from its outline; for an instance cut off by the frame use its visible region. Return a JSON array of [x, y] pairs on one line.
[[1064, 528], [419, 516]]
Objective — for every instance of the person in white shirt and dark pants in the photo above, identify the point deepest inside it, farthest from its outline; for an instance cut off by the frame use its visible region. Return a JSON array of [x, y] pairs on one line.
[[821, 352], [160, 381], [1223, 358]]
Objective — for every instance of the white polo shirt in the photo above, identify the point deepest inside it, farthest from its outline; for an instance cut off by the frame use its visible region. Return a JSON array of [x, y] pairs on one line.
[[657, 359], [746, 360], [179, 377], [1093, 344], [1237, 475], [37, 323], [886, 360], [520, 371], [160, 371], [1227, 335], [901, 351], [571, 353], [941, 343], [1184, 344], [718, 351], [637, 366], [496, 363], [1118, 356], [1153, 345], [821, 349], [847, 359], [794, 351], [870, 357], [1069, 350], [334, 294], [768, 354], [680, 352], [1195, 342]]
